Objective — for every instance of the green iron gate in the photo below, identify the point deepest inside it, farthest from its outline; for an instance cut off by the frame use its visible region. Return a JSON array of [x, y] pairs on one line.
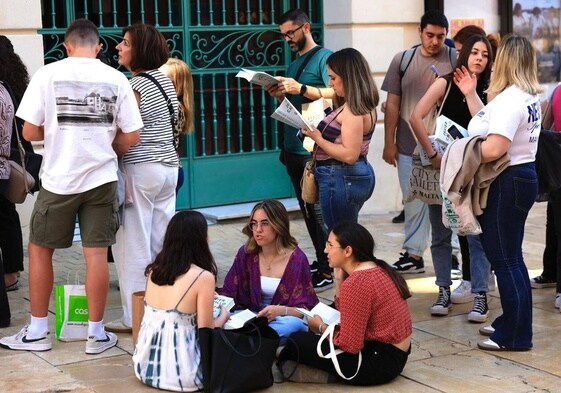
[[232, 155]]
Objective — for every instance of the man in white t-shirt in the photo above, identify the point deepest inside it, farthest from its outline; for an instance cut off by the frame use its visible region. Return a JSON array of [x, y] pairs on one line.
[[86, 114]]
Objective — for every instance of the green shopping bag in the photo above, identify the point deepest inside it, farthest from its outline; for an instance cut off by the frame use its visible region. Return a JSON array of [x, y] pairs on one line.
[[71, 319]]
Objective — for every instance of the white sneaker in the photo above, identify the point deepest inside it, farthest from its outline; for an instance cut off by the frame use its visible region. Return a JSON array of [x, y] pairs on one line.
[[462, 293], [492, 284], [117, 326], [486, 330], [96, 345], [558, 301], [21, 342]]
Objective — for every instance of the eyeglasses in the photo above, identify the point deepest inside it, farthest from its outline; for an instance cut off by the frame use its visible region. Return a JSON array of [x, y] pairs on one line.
[[329, 246], [290, 34], [254, 225]]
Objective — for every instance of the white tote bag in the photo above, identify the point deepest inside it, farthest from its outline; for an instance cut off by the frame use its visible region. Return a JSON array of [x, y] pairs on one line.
[[332, 354]]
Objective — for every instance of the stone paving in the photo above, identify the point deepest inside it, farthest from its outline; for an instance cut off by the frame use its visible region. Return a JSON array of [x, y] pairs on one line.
[[444, 356]]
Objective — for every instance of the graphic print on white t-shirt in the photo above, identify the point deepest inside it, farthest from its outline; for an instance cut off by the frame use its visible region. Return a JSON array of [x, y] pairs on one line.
[[84, 104]]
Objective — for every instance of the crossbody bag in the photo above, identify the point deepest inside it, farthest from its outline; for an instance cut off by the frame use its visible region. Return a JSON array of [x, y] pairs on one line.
[[173, 118]]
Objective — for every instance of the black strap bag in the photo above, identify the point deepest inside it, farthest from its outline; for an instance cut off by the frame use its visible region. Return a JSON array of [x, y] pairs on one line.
[[238, 360]]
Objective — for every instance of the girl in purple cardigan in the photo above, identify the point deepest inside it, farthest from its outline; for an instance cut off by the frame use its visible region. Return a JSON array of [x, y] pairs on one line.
[[270, 274]]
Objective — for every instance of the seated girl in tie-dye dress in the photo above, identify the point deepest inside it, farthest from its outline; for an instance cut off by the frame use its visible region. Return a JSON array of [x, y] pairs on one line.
[[179, 300]]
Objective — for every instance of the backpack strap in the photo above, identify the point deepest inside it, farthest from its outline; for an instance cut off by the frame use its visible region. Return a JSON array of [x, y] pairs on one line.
[[408, 54], [406, 59], [452, 53]]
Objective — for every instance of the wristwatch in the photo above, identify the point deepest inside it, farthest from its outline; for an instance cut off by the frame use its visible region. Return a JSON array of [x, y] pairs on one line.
[[303, 89]]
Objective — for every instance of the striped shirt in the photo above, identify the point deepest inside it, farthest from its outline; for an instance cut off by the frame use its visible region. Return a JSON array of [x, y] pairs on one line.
[[156, 138]]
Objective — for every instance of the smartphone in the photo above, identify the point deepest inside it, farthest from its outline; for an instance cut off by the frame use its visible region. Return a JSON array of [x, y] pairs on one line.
[[454, 132]]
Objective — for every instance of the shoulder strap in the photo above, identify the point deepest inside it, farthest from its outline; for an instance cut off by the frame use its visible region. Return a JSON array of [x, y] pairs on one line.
[[168, 101], [448, 87], [309, 56], [453, 57], [185, 293], [406, 59]]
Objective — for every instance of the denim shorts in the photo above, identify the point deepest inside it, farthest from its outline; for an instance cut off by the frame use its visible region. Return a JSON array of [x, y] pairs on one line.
[[54, 217]]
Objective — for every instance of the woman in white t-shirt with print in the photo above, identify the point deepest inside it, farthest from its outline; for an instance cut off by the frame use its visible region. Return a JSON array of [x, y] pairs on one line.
[[511, 122]]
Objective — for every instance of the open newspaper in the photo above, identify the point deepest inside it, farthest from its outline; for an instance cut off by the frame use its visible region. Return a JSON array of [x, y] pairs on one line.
[[258, 77], [328, 314], [288, 114]]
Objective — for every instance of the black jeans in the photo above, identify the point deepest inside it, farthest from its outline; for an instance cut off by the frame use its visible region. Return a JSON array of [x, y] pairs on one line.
[[464, 250], [381, 362], [312, 214], [552, 251]]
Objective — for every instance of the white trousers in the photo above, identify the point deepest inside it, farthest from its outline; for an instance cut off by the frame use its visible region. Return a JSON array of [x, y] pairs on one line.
[[141, 235]]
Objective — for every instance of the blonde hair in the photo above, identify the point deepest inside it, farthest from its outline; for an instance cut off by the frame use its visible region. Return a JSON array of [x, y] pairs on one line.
[[515, 65], [180, 74]]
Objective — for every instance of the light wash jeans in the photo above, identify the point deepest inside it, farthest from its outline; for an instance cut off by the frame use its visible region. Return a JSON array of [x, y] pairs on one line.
[[417, 224], [286, 325], [479, 265], [141, 235]]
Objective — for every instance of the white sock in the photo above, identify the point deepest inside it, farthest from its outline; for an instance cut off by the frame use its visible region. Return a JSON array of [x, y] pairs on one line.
[[38, 327], [96, 329]]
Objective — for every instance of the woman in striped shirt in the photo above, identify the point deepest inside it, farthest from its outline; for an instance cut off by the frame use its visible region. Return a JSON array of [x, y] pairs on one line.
[[150, 166]]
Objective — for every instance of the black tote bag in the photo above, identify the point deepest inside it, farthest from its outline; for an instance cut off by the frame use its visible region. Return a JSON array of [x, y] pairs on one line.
[[238, 360]]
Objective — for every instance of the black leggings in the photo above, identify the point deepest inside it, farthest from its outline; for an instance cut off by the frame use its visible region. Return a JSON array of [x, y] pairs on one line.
[[381, 362]]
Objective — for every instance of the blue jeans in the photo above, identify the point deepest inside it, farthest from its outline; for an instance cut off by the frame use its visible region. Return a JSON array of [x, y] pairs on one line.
[[441, 247], [479, 265], [343, 189], [417, 225], [511, 196], [286, 325]]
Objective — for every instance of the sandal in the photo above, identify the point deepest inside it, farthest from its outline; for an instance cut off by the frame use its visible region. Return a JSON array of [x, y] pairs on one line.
[[13, 287]]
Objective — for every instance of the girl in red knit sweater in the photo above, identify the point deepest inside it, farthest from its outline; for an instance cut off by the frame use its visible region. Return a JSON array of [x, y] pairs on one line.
[[375, 318]]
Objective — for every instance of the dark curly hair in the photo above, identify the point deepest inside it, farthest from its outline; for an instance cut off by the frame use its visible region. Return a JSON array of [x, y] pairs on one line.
[[12, 69]]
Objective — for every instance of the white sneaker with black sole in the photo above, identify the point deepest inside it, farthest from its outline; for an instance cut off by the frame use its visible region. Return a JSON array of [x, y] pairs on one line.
[[480, 311], [443, 304], [22, 342], [96, 345], [558, 301]]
